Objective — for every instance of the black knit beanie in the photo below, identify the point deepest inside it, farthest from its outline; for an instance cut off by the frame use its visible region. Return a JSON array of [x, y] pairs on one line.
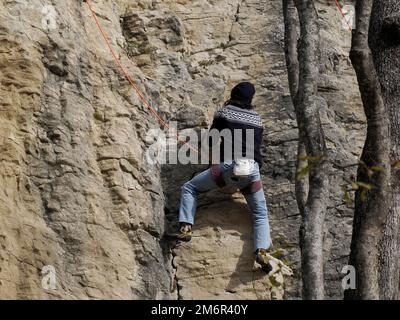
[[243, 92]]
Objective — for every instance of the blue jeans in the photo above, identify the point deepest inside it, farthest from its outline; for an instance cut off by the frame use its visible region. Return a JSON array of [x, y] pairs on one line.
[[256, 201]]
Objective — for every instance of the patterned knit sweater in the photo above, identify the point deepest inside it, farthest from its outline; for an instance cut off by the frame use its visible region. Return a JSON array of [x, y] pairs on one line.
[[240, 120]]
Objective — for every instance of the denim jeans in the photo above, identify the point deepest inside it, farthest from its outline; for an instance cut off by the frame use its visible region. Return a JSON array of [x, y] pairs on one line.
[[256, 201]]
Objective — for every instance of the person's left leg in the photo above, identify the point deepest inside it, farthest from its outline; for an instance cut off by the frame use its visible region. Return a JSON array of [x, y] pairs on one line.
[[258, 206], [262, 238]]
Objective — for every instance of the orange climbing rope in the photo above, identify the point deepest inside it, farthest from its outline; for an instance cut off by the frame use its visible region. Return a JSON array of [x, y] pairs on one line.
[[343, 16], [124, 72]]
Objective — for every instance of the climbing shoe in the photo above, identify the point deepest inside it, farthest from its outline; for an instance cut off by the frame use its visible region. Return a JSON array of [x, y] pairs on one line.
[[183, 234], [263, 259]]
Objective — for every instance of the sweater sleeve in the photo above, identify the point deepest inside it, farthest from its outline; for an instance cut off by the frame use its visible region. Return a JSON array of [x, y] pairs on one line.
[[216, 124]]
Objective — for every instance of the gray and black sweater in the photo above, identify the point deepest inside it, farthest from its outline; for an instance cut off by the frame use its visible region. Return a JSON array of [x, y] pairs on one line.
[[232, 117]]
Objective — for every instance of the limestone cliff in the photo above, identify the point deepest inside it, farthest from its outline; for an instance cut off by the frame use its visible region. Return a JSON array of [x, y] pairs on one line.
[[76, 192]]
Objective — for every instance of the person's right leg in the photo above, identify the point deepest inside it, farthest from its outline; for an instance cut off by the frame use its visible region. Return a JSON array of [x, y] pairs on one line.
[[262, 238], [203, 182]]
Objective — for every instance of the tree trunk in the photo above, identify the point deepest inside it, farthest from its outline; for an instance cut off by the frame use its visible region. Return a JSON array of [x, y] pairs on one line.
[[304, 90], [385, 46], [371, 208], [292, 63]]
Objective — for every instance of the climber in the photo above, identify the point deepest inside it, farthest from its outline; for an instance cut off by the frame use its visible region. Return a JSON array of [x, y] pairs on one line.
[[236, 169]]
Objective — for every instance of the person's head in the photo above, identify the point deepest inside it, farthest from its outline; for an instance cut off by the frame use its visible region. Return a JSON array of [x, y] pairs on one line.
[[242, 95]]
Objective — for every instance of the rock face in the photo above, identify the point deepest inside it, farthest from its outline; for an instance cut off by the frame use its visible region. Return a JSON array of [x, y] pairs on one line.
[[76, 190], [219, 262]]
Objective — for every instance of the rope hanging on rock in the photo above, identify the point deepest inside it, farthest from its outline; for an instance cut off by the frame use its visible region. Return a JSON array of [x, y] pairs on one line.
[[343, 16], [125, 73]]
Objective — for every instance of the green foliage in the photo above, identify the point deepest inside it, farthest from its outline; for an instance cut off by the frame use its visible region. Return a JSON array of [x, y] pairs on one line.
[[278, 253], [312, 161], [289, 263], [370, 170], [363, 195], [377, 168], [346, 196], [303, 172], [363, 185]]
